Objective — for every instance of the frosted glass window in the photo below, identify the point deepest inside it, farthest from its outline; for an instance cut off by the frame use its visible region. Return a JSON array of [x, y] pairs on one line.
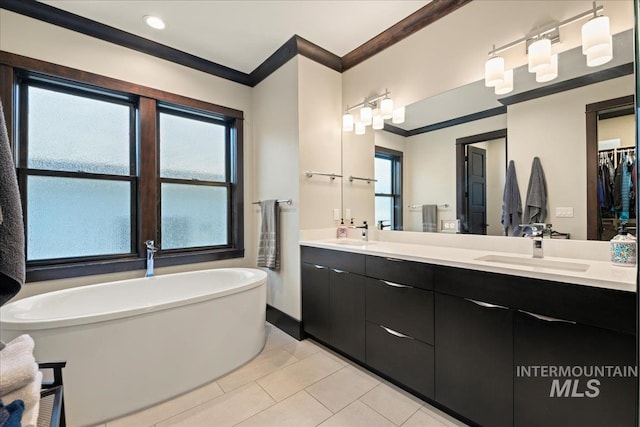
[[383, 175], [193, 216], [78, 134], [192, 149], [384, 210], [71, 217]]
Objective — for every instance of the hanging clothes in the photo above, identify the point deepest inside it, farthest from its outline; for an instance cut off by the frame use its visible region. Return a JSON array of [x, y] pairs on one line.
[[625, 189]]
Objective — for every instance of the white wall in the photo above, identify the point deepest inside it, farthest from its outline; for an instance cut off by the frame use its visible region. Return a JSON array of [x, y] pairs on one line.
[[553, 128], [36, 39]]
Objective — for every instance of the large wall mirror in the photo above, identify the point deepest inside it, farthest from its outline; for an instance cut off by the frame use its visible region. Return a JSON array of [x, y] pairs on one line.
[[543, 120]]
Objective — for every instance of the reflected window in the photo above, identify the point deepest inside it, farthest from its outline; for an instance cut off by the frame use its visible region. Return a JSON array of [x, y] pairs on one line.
[[388, 189]]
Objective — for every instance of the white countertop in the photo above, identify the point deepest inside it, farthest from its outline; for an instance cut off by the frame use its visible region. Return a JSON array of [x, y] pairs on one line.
[[598, 273]]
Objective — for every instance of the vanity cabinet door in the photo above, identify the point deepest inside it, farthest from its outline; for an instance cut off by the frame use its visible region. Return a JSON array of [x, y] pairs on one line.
[[316, 301], [573, 400], [474, 359], [417, 274], [347, 313]]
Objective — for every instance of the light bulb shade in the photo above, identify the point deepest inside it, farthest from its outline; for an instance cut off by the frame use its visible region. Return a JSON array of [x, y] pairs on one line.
[[366, 114], [539, 55], [347, 122], [493, 71], [386, 108], [600, 54], [595, 33], [548, 73], [378, 122], [360, 128], [154, 22], [398, 116], [506, 85]]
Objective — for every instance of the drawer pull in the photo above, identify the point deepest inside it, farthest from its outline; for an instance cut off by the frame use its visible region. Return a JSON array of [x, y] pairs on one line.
[[340, 271], [394, 259], [320, 267], [395, 333], [486, 304], [395, 285], [547, 318]]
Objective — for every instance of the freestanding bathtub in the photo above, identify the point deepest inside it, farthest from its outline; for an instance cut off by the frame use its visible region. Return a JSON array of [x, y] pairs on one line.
[[134, 343]]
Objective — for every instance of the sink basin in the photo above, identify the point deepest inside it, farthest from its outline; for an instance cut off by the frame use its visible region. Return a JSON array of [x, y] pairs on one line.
[[535, 262], [351, 242]]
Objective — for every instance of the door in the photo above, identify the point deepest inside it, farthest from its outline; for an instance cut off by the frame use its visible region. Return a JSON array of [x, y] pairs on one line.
[[315, 301], [347, 312], [476, 190]]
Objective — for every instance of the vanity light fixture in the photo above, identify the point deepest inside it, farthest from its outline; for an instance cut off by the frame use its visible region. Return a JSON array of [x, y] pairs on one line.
[[373, 112], [597, 46], [154, 22], [506, 85]]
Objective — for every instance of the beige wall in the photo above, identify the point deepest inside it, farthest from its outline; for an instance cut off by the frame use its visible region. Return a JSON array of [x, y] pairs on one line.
[[622, 128]]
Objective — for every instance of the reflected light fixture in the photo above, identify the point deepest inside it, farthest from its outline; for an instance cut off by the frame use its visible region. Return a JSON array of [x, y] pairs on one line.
[[154, 22], [373, 112], [597, 46]]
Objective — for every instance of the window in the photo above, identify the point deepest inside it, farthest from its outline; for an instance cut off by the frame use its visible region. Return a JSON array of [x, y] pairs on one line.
[[103, 166], [388, 174]]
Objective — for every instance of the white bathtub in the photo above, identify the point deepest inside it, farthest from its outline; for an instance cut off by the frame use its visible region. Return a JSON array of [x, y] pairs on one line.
[[134, 343]]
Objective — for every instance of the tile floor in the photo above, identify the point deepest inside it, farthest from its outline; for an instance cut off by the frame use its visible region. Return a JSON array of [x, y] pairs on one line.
[[295, 384]]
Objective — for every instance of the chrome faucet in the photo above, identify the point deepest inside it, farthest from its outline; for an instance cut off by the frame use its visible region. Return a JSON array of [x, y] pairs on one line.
[[365, 230], [535, 232], [151, 250]]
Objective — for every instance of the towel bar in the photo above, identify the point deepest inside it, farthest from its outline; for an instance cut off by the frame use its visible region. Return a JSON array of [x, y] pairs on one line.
[[287, 201]]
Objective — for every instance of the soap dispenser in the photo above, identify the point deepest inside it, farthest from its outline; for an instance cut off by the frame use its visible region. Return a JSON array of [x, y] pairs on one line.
[[623, 248], [342, 230]]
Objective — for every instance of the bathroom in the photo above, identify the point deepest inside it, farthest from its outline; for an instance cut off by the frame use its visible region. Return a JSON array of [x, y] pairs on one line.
[[288, 117]]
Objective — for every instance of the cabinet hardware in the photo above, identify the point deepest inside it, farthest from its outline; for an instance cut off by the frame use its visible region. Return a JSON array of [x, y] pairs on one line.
[[340, 271], [395, 285], [394, 259], [547, 318], [395, 333], [486, 304], [320, 267]]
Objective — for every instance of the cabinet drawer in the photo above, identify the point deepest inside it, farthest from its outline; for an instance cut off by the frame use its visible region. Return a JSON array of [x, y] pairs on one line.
[[339, 260], [406, 360], [400, 271], [402, 308]]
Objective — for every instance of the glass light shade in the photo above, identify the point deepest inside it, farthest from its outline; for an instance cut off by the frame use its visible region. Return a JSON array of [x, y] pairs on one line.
[[600, 54], [366, 114], [493, 71], [154, 22], [360, 128], [398, 116], [539, 55], [378, 121], [595, 33], [386, 108], [347, 122], [548, 73], [506, 85]]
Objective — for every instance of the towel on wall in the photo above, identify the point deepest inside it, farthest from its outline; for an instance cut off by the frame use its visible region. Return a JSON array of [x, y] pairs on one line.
[[511, 203], [269, 239], [12, 257], [536, 202], [430, 218]]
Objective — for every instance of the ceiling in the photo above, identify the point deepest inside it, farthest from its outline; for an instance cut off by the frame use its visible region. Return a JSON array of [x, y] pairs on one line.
[[241, 34]]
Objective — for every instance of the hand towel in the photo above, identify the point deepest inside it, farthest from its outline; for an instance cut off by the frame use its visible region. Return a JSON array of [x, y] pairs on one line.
[[12, 257], [30, 395], [17, 364], [430, 218], [269, 240], [536, 201], [511, 202]]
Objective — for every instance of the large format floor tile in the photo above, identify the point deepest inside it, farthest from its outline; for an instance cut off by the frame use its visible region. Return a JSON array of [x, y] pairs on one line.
[[299, 410], [392, 402], [357, 414], [264, 364], [341, 388]]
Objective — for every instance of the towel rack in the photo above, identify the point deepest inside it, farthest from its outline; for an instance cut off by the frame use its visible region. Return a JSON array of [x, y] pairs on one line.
[[332, 176], [369, 180], [444, 206], [287, 201]]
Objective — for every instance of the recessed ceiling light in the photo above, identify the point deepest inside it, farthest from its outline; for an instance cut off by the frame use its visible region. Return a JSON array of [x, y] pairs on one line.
[[154, 22]]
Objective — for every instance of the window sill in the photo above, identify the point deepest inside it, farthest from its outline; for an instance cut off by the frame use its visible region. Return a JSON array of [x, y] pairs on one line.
[[79, 269]]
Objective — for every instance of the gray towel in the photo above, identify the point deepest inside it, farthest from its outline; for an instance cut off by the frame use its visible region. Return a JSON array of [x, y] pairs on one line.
[[535, 209], [269, 241], [12, 261], [430, 218], [511, 203]]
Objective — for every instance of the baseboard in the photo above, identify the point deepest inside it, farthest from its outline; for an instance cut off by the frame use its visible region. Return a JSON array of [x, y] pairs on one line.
[[285, 322]]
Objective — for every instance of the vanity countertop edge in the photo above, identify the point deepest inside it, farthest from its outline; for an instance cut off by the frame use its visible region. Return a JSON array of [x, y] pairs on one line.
[[600, 274]]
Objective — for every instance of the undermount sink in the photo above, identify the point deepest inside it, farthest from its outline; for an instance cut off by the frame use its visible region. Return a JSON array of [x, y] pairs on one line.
[[535, 262], [352, 242]]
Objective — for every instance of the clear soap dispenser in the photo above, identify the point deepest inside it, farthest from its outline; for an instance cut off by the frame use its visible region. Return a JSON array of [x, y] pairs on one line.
[[342, 230], [623, 248]]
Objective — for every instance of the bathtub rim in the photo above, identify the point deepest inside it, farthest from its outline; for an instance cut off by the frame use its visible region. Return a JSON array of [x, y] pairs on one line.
[[9, 323]]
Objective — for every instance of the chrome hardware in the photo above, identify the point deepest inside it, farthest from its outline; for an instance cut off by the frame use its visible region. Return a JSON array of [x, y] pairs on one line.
[[547, 318], [396, 333], [340, 271], [395, 285], [486, 304], [394, 259]]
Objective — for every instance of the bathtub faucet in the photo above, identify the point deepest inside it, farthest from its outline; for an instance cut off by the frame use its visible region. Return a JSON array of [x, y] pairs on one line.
[[151, 250]]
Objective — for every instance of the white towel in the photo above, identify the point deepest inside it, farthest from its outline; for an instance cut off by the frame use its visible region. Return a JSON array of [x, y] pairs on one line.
[[30, 395], [17, 365]]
